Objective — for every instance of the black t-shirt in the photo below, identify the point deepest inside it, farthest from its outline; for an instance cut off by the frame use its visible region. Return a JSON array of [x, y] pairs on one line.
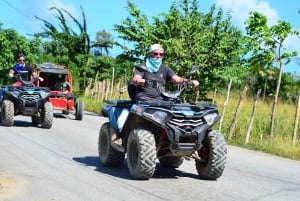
[[163, 75], [25, 72]]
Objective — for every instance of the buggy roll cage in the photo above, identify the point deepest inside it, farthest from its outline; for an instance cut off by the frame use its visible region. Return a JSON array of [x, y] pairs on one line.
[[50, 72]]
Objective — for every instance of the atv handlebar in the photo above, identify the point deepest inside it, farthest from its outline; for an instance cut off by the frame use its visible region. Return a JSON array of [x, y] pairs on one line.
[[18, 77]]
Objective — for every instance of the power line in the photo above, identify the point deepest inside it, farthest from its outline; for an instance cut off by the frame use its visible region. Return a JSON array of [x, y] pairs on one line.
[[18, 10], [31, 18]]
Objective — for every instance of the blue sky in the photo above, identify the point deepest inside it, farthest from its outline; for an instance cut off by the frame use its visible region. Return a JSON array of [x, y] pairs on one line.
[[103, 14]]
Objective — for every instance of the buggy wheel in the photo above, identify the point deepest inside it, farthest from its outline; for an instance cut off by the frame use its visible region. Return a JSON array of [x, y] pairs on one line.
[[171, 161], [47, 115], [109, 156], [141, 154], [213, 156], [79, 110], [7, 113]]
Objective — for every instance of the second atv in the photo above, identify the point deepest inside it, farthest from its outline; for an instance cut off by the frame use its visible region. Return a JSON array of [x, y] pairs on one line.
[[26, 100]]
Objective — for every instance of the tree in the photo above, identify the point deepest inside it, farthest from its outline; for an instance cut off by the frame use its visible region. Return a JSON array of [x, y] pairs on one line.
[[66, 45], [267, 43], [189, 36], [104, 41], [12, 44]]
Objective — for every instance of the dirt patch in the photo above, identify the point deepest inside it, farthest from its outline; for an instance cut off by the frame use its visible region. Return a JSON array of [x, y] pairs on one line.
[[9, 186]]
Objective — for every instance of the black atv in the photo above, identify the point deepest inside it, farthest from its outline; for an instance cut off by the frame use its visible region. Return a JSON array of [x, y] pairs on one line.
[[169, 130], [26, 100]]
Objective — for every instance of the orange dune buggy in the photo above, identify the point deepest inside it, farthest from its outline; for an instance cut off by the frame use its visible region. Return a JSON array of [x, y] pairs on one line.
[[59, 79]]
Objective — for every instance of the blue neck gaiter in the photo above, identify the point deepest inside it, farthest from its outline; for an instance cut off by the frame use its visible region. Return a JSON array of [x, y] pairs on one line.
[[18, 68], [153, 64]]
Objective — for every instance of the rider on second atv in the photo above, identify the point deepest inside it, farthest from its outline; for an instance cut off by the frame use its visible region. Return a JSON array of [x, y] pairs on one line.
[[23, 70]]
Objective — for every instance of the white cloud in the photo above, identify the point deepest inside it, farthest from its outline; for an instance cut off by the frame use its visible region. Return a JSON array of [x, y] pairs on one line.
[[41, 10], [240, 10], [292, 42]]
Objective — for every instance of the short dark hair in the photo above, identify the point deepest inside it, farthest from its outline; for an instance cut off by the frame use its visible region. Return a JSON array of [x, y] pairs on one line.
[[20, 55]]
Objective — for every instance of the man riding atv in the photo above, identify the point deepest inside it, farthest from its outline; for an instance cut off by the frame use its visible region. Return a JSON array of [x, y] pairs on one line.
[[154, 69], [25, 71], [24, 98], [157, 124]]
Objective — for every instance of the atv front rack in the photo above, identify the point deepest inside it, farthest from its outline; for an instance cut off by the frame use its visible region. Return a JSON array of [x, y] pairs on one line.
[[166, 104], [170, 104]]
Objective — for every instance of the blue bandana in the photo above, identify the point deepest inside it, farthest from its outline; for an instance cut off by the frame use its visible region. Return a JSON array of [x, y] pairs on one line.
[[153, 64], [18, 68]]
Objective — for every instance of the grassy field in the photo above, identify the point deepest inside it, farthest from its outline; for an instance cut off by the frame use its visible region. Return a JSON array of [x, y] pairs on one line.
[[281, 144]]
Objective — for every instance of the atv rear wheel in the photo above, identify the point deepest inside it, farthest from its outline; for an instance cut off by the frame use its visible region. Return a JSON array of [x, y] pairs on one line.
[[7, 113], [79, 110], [213, 156], [141, 154], [171, 161], [109, 156], [47, 115]]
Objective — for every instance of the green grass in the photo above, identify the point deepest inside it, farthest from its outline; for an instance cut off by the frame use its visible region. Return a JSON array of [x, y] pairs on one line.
[[91, 105], [280, 145]]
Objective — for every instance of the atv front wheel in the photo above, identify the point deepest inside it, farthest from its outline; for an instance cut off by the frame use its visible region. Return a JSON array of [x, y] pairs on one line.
[[171, 161], [47, 115], [35, 119], [213, 156], [7, 113], [79, 110], [141, 154], [109, 156]]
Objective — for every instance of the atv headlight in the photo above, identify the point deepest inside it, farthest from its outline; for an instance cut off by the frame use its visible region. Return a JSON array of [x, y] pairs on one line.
[[211, 118], [44, 94], [158, 116], [15, 93]]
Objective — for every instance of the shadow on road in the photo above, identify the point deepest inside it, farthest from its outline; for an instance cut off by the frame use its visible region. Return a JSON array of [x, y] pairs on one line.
[[167, 173], [93, 161], [22, 123], [122, 172]]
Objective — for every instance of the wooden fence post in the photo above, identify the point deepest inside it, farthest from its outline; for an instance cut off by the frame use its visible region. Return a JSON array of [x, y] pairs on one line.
[[99, 90], [225, 105], [214, 96], [296, 121], [87, 89], [96, 78], [252, 116], [237, 112]]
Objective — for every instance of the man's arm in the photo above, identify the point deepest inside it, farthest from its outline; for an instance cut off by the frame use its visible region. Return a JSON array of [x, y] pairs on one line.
[[35, 77], [137, 79], [178, 80], [11, 73]]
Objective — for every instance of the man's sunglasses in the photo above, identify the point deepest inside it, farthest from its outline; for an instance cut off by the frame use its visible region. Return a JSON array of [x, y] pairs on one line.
[[158, 54], [21, 60]]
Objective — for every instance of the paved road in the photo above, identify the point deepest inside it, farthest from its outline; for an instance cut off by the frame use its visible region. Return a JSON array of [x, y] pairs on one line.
[[61, 164]]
